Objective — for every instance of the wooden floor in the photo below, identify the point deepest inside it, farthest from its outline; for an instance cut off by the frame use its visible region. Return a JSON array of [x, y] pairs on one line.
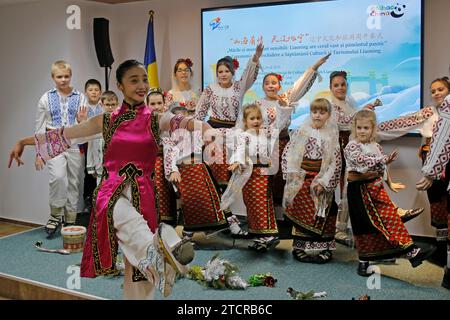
[[9, 228]]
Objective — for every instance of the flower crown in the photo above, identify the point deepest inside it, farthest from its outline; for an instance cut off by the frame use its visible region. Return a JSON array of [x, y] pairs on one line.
[[188, 62], [235, 63]]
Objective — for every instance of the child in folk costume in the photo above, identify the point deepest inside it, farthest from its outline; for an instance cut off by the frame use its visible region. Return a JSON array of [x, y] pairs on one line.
[[275, 105], [435, 165], [165, 195], [344, 107], [312, 164], [199, 192], [93, 92], [424, 121], [377, 228], [223, 100], [124, 206], [182, 93], [94, 158], [60, 107], [253, 168]]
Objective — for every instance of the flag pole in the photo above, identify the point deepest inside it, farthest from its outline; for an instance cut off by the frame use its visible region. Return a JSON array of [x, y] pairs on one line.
[[150, 54]]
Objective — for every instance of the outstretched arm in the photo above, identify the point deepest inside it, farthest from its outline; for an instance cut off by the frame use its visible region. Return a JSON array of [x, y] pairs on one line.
[[439, 154], [258, 51], [17, 150], [251, 71], [87, 128], [305, 82]]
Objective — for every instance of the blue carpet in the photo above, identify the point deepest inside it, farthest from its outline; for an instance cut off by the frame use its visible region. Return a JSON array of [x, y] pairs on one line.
[[18, 257]]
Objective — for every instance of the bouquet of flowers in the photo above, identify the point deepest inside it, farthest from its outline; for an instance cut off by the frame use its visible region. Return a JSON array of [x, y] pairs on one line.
[[218, 274], [262, 279]]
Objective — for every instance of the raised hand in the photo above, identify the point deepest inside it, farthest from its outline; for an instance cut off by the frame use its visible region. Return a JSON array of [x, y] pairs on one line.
[[82, 114], [369, 106], [320, 62], [259, 50]]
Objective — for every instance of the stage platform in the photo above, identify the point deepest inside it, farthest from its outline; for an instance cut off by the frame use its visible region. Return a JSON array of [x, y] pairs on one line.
[[26, 273]]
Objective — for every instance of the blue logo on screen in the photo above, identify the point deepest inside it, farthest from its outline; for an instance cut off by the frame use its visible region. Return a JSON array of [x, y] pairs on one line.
[[399, 11], [214, 23], [395, 11]]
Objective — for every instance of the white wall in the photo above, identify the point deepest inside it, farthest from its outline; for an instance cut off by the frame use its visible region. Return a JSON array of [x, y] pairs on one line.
[[26, 76], [28, 50]]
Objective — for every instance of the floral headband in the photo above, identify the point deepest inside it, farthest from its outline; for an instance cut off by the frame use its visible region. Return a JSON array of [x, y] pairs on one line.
[[188, 62], [235, 63]]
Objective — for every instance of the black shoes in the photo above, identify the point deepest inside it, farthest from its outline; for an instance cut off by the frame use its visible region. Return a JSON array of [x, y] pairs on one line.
[[362, 269], [446, 280], [423, 254], [264, 244], [53, 224], [411, 214]]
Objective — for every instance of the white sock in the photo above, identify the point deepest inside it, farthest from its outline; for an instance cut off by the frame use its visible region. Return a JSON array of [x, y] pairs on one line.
[[234, 225]]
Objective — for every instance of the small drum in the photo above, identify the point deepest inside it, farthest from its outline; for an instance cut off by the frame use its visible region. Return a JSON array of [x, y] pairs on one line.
[[73, 238]]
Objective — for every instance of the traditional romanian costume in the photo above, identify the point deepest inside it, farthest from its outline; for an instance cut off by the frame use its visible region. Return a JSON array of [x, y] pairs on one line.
[[55, 111], [223, 106], [271, 110], [312, 156], [377, 228]]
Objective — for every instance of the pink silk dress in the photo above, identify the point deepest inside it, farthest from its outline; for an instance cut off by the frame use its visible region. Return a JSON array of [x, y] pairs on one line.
[[130, 135]]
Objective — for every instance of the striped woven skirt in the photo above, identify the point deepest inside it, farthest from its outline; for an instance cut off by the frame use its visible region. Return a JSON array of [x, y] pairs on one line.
[[164, 194], [377, 228], [257, 194], [200, 198]]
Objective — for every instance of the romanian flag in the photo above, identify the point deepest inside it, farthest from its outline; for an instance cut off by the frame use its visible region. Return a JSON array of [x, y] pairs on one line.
[[150, 55]]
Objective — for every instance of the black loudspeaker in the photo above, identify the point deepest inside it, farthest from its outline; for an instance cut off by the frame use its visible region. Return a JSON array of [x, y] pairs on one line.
[[101, 40]]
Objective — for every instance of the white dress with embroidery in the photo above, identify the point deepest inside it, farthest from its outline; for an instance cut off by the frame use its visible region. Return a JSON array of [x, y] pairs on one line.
[[439, 153], [365, 157], [226, 103], [271, 109]]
